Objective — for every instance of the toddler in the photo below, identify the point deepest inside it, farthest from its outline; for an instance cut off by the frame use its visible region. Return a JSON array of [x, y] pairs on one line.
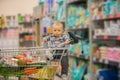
[[56, 38]]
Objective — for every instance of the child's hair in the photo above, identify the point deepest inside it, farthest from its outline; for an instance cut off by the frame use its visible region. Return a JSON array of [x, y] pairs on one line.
[[57, 24]]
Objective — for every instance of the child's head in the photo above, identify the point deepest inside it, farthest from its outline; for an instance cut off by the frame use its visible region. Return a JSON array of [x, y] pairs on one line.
[[57, 29]]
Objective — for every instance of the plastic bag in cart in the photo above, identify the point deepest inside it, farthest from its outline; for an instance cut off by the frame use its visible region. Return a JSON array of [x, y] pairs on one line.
[[45, 73]]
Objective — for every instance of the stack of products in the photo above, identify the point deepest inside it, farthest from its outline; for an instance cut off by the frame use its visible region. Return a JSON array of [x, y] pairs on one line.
[[105, 9], [77, 16]]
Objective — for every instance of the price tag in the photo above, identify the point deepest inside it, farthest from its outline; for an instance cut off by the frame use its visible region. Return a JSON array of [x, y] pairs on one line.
[[105, 37], [118, 38], [111, 16], [101, 60], [118, 15], [106, 61]]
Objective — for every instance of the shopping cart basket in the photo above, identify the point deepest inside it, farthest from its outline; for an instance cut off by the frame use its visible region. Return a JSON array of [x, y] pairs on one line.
[[32, 62]]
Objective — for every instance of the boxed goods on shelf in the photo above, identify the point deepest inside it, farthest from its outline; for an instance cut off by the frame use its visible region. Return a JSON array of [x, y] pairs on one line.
[[108, 53], [109, 28], [77, 17], [105, 9], [77, 69]]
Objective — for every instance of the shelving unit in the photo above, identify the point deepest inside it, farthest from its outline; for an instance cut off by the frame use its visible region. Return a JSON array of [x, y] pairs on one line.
[[106, 62], [9, 31], [105, 42], [41, 27], [26, 34], [106, 19], [37, 16], [78, 27], [107, 37]]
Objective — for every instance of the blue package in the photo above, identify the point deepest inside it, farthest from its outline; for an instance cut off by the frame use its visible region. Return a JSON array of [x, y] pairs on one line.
[[44, 30], [108, 74], [50, 1]]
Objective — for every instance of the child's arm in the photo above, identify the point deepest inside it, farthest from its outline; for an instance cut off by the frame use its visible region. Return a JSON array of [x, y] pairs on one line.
[[47, 38], [66, 38]]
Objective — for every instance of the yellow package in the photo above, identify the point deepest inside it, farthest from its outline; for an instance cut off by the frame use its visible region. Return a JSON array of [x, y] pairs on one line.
[[46, 73]]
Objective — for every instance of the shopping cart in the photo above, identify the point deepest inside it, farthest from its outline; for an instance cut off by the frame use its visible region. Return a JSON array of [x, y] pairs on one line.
[[32, 62]]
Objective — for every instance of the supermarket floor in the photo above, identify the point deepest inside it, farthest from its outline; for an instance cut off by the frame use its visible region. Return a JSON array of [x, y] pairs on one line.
[[57, 78], [16, 78]]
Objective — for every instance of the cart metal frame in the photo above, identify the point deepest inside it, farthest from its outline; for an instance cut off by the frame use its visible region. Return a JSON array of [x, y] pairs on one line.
[[40, 55]]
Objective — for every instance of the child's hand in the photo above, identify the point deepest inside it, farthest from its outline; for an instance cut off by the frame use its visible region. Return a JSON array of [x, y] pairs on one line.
[[44, 39], [67, 41]]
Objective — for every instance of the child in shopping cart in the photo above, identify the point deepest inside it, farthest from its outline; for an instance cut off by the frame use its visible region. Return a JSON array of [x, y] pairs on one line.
[[56, 38]]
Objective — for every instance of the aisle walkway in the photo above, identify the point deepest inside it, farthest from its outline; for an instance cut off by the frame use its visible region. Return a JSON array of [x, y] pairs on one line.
[[57, 78], [15, 78]]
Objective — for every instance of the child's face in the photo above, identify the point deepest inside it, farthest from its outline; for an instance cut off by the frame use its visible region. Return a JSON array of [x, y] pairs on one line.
[[57, 30]]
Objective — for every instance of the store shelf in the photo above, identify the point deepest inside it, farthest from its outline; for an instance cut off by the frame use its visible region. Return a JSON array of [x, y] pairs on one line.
[[3, 28], [107, 37], [8, 28], [79, 56], [25, 22], [26, 33], [77, 29], [62, 21], [28, 43], [76, 2], [107, 18], [106, 62], [12, 28]]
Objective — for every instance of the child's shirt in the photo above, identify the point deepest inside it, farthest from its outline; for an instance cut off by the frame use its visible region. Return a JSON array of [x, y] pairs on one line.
[[57, 41]]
